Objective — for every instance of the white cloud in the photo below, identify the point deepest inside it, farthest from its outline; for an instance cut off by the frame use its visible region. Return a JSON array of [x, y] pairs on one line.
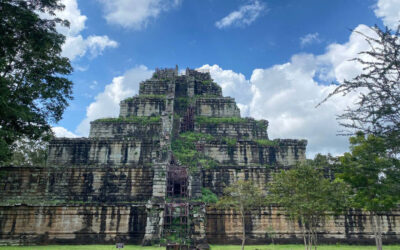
[[389, 12], [135, 13], [242, 17], [106, 103], [63, 132], [73, 14], [286, 94], [76, 45], [310, 39], [338, 56]]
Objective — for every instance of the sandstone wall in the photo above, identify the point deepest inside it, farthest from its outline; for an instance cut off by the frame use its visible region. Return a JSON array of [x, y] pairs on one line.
[[225, 226], [75, 185], [153, 87], [249, 129], [27, 225], [282, 152], [124, 130], [218, 178], [143, 106], [88, 224], [83, 151], [217, 107]]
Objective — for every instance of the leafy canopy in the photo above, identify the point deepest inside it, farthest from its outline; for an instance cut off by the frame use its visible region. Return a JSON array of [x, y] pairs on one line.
[[242, 195], [33, 89], [372, 174]]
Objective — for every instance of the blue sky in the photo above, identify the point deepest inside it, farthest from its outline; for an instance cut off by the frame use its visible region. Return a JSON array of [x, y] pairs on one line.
[[276, 57]]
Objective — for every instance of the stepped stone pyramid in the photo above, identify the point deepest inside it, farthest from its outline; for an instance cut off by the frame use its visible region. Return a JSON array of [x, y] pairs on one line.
[[140, 178]]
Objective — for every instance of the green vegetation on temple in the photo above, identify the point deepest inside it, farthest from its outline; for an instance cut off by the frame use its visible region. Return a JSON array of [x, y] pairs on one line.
[[143, 120], [145, 96], [265, 142], [184, 149], [232, 120]]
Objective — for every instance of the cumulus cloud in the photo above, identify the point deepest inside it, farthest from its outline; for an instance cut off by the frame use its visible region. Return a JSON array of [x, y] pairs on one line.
[[286, 94], [63, 132], [76, 45], [309, 39], [244, 16], [389, 12], [106, 103], [338, 56], [135, 14]]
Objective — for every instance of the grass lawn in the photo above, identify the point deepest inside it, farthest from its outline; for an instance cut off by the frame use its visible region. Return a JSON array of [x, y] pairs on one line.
[[214, 247]]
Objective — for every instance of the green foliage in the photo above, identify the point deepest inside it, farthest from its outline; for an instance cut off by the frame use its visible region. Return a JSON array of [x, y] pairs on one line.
[[143, 120], [265, 142], [181, 104], [242, 196], [184, 149], [373, 176], [208, 197], [219, 120], [145, 96], [30, 152], [207, 82], [307, 196], [33, 89]]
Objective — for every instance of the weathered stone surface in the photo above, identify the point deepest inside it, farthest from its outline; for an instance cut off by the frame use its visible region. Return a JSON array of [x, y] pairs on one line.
[[80, 224], [217, 107], [284, 152], [83, 151], [225, 226], [124, 130], [142, 106], [76, 185], [247, 129]]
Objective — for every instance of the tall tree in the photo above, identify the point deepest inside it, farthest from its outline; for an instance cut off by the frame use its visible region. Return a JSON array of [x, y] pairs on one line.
[[30, 152], [374, 178], [308, 196], [33, 89], [378, 109], [242, 196]]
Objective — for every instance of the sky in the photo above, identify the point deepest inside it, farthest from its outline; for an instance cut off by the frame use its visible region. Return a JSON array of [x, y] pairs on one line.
[[277, 58]]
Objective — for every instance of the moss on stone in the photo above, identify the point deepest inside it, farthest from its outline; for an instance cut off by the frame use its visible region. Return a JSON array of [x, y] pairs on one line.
[[184, 149], [220, 120], [265, 142], [143, 120], [144, 97]]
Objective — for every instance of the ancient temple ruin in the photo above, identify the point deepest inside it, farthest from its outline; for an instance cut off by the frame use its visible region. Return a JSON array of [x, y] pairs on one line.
[[139, 178]]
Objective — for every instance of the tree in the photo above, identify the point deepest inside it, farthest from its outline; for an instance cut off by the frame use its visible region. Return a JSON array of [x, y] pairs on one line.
[[307, 196], [374, 178], [378, 108], [30, 152], [242, 196], [33, 89]]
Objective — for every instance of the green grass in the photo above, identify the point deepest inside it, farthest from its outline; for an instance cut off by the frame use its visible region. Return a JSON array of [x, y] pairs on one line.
[[301, 247], [213, 247], [78, 247]]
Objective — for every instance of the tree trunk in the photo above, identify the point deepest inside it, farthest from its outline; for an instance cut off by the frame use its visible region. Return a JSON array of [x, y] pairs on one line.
[[305, 236], [244, 228], [377, 229]]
